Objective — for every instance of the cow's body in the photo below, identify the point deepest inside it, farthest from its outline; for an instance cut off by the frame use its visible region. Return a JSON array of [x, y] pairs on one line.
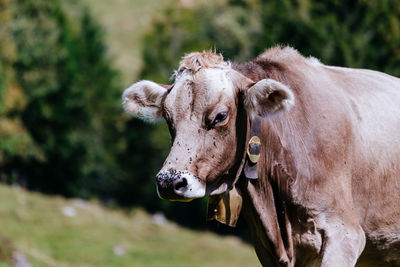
[[340, 146], [329, 172]]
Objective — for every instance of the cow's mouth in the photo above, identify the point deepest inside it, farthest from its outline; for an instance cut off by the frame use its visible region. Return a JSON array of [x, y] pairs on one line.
[[170, 195], [176, 185]]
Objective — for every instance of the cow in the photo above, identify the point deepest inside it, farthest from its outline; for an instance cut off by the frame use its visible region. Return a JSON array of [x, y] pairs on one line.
[[310, 153]]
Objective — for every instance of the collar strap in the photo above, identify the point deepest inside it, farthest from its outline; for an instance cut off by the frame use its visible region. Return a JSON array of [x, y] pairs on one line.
[[253, 149], [225, 208]]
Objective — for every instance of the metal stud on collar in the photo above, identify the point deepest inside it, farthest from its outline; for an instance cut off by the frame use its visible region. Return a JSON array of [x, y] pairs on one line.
[[253, 149]]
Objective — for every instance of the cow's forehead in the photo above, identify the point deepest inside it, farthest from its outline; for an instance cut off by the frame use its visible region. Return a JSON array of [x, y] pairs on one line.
[[216, 81], [201, 88]]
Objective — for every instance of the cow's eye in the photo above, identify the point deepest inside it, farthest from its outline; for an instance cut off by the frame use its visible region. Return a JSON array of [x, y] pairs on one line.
[[220, 117]]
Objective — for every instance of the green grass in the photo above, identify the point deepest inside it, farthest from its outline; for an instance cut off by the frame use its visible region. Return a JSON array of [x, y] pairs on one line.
[[38, 229]]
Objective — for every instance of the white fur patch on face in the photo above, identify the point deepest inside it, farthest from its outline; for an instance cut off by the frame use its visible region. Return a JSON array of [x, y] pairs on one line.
[[214, 79], [184, 185], [143, 100], [218, 80], [194, 188]]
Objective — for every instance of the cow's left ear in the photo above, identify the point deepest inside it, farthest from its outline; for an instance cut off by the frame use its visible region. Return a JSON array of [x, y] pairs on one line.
[[144, 100], [268, 97]]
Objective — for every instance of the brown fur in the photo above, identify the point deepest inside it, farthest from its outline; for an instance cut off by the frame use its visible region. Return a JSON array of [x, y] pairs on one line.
[[329, 171], [198, 60], [311, 160]]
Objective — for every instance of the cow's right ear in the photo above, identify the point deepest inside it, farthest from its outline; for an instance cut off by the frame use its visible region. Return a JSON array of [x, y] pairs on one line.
[[268, 97], [144, 100]]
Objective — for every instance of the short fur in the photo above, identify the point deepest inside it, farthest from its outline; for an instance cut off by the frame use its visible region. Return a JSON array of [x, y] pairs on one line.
[[328, 192], [198, 60], [143, 100], [331, 166]]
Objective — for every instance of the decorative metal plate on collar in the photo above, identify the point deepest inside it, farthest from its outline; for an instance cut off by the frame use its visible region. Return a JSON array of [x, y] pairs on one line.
[[253, 149]]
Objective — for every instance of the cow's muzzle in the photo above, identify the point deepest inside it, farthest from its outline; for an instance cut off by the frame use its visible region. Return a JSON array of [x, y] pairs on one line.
[[177, 185]]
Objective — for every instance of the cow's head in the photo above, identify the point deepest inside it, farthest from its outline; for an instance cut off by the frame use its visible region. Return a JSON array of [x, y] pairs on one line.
[[206, 111]]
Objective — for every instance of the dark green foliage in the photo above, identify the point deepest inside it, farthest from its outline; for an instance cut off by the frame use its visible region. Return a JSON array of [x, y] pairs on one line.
[[354, 33], [15, 141], [360, 33], [72, 99], [228, 29], [50, 68], [44, 69], [88, 146]]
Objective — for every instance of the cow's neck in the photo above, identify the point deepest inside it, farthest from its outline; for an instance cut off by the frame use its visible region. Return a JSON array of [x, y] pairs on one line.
[[265, 205], [263, 198], [226, 207]]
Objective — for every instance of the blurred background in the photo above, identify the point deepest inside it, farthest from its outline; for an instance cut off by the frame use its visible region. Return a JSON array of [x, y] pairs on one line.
[[76, 173]]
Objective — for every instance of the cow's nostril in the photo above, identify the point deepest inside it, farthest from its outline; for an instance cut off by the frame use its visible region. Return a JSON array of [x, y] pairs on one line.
[[160, 177], [181, 183]]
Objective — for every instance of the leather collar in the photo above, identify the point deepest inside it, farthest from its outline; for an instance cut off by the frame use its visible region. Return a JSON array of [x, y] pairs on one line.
[[225, 208], [253, 149]]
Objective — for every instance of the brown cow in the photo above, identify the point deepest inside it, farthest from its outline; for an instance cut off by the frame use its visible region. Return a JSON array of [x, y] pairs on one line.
[[326, 165]]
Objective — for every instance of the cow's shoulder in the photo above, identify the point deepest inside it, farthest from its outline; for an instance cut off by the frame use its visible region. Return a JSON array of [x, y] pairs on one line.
[[282, 63], [281, 54]]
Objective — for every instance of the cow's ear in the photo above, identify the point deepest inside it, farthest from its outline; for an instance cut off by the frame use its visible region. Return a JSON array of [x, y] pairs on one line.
[[144, 100], [268, 97]]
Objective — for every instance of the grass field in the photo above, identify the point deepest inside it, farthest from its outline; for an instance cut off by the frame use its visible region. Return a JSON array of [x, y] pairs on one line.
[[53, 231]]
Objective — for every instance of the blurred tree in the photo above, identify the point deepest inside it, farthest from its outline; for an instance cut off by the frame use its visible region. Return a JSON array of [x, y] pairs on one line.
[[121, 153], [46, 64], [227, 28], [363, 34], [355, 34], [73, 101], [15, 140], [76, 140]]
